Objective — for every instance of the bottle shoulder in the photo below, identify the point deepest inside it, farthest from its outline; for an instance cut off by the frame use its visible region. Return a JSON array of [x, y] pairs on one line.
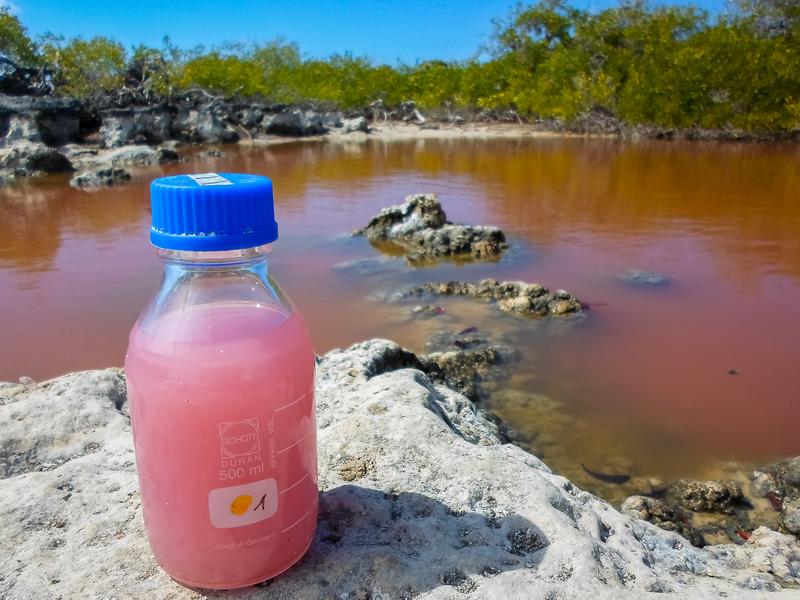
[[216, 305]]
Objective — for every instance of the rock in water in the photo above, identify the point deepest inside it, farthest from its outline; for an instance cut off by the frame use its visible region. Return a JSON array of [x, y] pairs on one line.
[[790, 516], [780, 483], [705, 496], [421, 228], [784, 477], [418, 498], [140, 155], [514, 297], [658, 513], [101, 177], [644, 278], [427, 311], [24, 159]]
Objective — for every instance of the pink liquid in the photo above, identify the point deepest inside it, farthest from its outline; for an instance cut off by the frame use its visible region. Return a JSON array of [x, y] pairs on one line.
[[222, 406]]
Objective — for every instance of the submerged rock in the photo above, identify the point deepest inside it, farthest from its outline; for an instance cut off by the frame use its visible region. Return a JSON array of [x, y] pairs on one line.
[[461, 370], [515, 297], [109, 164], [644, 278], [139, 155], [380, 266], [782, 478], [702, 511], [657, 512], [421, 228], [419, 497], [426, 311], [705, 496], [102, 177], [466, 361], [780, 484], [790, 515]]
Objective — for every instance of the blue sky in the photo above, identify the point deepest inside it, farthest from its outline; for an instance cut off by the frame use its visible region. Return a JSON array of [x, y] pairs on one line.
[[404, 30]]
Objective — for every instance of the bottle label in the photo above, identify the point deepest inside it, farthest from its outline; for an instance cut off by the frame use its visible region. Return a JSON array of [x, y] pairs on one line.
[[245, 504], [205, 179]]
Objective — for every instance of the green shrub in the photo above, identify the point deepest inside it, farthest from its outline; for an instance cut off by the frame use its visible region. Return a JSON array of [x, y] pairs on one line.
[[14, 41], [671, 66], [83, 67]]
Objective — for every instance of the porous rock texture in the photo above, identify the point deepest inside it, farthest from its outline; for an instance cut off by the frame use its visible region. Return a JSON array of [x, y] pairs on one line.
[[41, 133], [419, 498], [780, 483], [420, 227], [514, 297]]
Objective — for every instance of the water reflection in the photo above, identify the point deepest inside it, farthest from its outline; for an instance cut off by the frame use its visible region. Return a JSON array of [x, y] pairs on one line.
[[648, 369]]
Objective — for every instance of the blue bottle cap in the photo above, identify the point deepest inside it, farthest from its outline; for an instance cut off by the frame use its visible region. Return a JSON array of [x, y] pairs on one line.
[[212, 212]]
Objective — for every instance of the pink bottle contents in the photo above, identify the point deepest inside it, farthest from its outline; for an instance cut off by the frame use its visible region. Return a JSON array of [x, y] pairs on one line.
[[220, 375]]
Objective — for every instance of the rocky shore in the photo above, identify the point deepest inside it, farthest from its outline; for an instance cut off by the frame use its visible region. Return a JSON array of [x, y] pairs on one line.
[[420, 497], [50, 134]]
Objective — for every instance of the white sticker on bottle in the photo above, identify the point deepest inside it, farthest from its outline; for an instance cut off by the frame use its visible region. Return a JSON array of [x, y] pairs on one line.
[[244, 504], [209, 179]]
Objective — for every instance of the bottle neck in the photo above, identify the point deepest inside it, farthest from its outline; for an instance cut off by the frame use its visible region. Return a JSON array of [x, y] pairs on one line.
[[245, 258]]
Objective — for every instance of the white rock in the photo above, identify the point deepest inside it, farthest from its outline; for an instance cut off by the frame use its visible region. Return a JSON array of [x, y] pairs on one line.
[[137, 155], [431, 514], [356, 124]]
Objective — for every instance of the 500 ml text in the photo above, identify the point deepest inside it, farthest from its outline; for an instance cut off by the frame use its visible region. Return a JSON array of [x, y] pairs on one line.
[[238, 472]]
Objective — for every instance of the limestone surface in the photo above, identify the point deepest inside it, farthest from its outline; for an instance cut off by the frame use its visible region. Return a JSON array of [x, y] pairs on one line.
[[419, 499]]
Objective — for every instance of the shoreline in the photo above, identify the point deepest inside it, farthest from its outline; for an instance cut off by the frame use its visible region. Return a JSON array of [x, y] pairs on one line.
[[401, 131], [51, 134], [397, 130]]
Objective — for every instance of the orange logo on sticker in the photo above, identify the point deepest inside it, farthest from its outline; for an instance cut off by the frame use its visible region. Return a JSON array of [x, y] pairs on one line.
[[240, 504]]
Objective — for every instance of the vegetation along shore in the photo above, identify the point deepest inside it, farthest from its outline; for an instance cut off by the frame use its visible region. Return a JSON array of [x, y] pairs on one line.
[[632, 71]]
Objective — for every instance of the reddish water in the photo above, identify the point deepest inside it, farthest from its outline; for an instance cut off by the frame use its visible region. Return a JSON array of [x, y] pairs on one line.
[[641, 384]]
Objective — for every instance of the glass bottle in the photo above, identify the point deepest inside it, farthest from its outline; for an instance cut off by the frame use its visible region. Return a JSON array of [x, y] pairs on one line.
[[220, 372]]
